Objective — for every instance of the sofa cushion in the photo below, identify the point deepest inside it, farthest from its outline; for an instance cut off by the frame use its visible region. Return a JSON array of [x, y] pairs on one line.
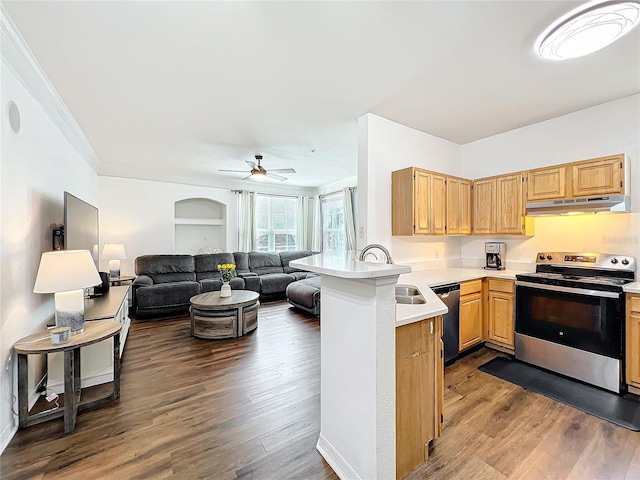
[[166, 268], [286, 257], [166, 294], [265, 262], [305, 292], [206, 265], [275, 283], [241, 261]]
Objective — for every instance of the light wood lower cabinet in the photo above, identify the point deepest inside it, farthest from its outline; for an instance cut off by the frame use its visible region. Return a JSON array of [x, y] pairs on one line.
[[632, 373], [419, 391], [471, 314], [501, 312]]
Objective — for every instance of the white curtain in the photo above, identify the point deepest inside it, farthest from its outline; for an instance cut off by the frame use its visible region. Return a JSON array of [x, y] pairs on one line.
[[304, 221], [349, 219], [316, 244], [246, 221]]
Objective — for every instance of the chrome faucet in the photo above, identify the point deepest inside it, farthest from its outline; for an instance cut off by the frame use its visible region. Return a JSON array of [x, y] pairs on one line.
[[375, 245]]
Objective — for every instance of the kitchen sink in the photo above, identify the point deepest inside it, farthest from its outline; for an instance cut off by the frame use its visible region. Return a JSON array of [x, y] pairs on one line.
[[409, 294]]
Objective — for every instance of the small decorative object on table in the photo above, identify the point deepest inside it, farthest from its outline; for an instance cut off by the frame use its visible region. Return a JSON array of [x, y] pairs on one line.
[[228, 271]]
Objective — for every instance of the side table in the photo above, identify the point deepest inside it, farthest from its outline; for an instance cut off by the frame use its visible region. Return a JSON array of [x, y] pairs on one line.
[[123, 278], [40, 343]]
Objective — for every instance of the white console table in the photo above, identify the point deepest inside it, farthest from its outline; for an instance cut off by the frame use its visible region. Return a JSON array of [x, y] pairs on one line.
[[96, 360]]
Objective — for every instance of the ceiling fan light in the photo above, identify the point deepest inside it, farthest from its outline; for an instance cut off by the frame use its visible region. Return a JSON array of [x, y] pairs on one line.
[[257, 175], [588, 29]]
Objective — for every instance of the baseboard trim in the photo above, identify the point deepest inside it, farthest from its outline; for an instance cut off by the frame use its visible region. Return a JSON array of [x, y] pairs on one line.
[[8, 433], [339, 465], [91, 381]]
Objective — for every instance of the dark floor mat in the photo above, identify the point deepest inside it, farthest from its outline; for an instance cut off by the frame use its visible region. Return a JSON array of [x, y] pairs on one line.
[[608, 406]]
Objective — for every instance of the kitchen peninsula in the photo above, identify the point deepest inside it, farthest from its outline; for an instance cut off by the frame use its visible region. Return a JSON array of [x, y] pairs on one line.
[[358, 321]]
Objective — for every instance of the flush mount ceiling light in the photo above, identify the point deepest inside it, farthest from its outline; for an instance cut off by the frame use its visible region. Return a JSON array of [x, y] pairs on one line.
[[588, 29]]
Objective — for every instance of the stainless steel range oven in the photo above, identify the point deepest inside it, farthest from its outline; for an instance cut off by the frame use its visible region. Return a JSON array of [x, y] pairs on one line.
[[570, 315]]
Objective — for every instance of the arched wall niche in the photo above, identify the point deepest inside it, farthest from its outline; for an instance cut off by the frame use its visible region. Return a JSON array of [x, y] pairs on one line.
[[200, 226]]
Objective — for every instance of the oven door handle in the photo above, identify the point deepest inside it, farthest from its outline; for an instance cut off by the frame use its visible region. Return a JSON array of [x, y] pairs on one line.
[[579, 291]]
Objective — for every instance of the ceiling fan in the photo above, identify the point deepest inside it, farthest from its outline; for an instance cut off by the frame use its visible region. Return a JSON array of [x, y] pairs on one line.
[[258, 172]]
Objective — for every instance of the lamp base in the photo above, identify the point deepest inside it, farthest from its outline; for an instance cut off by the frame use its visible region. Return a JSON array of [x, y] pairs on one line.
[[114, 269], [70, 310]]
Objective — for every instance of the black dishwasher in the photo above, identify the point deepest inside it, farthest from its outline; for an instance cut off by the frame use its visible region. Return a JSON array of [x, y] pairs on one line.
[[450, 296]]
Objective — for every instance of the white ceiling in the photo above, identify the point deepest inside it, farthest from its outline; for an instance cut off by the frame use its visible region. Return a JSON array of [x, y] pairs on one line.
[[182, 89]]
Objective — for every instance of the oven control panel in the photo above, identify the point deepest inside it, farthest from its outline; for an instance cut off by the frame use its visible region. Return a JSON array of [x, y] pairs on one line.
[[588, 260]]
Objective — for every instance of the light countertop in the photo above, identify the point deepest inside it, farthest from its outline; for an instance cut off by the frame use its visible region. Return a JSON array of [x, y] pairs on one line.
[[425, 279], [632, 287], [342, 265]]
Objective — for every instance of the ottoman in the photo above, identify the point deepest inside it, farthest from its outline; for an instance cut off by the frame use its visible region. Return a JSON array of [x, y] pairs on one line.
[[305, 294]]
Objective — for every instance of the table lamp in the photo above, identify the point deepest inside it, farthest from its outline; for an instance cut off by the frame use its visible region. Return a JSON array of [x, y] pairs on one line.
[[65, 273], [114, 252]]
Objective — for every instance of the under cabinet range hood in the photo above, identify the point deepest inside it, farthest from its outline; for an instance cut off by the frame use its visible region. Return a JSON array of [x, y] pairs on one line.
[[607, 203]]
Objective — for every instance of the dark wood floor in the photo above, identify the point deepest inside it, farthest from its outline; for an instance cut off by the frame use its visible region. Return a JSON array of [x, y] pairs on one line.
[[249, 408]]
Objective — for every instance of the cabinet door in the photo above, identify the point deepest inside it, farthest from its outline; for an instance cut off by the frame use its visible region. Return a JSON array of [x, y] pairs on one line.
[[501, 318], [509, 203], [453, 206], [465, 207], [484, 200], [546, 184], [422, 202], [632, 374], [597, 177], [438, 204], [417, 404], [470, 320]]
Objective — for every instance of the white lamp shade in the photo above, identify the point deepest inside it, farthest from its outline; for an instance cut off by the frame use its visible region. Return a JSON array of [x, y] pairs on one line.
[[66, 270], [114, 251]]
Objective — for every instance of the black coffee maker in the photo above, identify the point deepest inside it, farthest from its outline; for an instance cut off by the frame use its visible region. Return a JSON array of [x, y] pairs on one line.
[[496, 255]]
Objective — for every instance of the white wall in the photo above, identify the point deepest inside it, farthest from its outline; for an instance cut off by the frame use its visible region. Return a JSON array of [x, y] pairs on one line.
[[139, 214], [383, 147], [606, 129], [38, 164]]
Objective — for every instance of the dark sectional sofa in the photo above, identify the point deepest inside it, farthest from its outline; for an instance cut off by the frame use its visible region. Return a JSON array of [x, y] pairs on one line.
[[165, 283]]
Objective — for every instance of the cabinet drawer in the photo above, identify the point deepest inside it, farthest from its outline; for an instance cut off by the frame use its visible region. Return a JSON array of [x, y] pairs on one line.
[[501, 285], [471, 286], [634, 303]]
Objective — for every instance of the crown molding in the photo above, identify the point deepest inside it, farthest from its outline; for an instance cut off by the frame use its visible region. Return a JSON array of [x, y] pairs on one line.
[[18, 58]]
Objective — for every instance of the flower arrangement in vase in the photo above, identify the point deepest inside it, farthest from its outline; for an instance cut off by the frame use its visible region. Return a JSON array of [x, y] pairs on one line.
[[228, 271]]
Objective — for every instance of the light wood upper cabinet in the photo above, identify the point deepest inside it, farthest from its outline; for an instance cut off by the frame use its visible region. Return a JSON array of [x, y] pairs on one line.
[[600, 176], [438, 204], [419, 391], [501, 312], [471, 309], [453, 206], [499, 206], [510, 207], [632, 373], [546, 183], [465, 207], [458, 206], [418, 202], [484, 200]]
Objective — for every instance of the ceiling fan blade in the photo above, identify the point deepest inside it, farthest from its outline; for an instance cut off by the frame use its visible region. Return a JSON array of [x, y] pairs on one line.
[[251, 164], [238, 171], [247, 178], [277, 177], [282, 170]]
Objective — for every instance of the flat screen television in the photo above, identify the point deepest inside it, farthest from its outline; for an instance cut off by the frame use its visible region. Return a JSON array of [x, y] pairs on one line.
[[81, 226]]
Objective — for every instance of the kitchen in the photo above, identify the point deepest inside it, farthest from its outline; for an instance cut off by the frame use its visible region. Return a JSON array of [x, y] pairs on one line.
[[386, 146]]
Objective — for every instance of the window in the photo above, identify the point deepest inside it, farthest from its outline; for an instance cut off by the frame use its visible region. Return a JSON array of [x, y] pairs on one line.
[[275, 223], [333, 234]]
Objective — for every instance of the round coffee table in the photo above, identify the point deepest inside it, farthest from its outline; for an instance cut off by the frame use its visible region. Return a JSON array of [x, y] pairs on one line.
[[216, 317]]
